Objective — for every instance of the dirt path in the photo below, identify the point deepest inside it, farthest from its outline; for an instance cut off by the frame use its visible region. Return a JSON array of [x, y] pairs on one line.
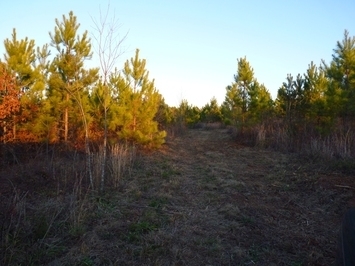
[[237, 205]]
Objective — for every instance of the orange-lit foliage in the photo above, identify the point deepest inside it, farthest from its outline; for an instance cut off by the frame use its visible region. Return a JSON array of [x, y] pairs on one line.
[[9, 102]]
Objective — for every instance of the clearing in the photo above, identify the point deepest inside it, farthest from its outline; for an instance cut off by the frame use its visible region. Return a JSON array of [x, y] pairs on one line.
[[203, 199]]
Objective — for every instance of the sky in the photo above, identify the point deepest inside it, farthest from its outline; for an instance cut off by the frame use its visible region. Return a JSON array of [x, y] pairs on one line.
[[192, 47]]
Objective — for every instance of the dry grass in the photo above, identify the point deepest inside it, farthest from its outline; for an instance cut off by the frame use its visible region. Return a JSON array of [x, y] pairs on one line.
[[337, 145], [200, 200], [119, 162]]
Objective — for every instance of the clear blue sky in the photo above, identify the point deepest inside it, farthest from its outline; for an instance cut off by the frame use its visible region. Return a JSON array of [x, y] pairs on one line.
[[192, 47]]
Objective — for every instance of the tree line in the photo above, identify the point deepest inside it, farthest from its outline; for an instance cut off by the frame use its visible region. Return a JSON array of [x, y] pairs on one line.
[[313, 112], [56, 98]]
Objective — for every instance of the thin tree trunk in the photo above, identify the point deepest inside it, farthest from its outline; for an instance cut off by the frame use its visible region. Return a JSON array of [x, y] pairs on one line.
[[66, 119], [108, 42], [14, 131], [87, 147], [134, 123], [4, 134], [88, 157], [104, 152]]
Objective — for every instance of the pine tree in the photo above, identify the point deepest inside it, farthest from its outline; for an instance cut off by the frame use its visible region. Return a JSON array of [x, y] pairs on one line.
[[137, 104], [341, 73], [21, 59], [100, 102], [211, 112], [244, 80], [231, 107], [70, 82], [314, 104], [246, 101], [261, 103], [42, 125], [186, 114], [302, 101], [286, 99], [164, 115]]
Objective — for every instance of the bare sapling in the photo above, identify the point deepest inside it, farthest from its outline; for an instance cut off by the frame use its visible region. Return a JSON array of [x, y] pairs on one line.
[[109, 49]]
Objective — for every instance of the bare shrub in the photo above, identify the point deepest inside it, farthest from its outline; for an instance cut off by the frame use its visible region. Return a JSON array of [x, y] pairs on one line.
[[303, 138], [338, 145], [260, 136], [343, 144], [120, 159], [318, 148], [120, 162], [279, 136], [98, 161]]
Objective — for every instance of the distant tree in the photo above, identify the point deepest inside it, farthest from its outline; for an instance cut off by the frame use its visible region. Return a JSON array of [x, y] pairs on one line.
[[231, 107], [211, 112], [187, 114], [246, 101], [244, 80], [261, 103], [314, 106], [164, 115], [137, 103], [302, 101], [287, 99]]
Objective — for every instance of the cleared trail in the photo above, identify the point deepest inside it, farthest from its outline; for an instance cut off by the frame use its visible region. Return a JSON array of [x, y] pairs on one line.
[[205, 200], [253, 204]]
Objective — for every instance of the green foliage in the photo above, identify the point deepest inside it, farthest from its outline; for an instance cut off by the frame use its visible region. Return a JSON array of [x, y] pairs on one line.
[[341, 74], [303, 101], [290, 96], [231, 107], [261, 104], [246, 102], [70, 82], [164, 115], [21, 59], [137, 102], [211, 112], [187, 114], [100, 103], [244, 80]]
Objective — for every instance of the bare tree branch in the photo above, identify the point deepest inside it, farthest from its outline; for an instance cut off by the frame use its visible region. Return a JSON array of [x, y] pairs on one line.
[[109, 48], [108, 41]]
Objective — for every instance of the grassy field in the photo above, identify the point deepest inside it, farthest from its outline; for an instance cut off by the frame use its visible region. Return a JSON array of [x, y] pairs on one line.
[[200, 200]]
